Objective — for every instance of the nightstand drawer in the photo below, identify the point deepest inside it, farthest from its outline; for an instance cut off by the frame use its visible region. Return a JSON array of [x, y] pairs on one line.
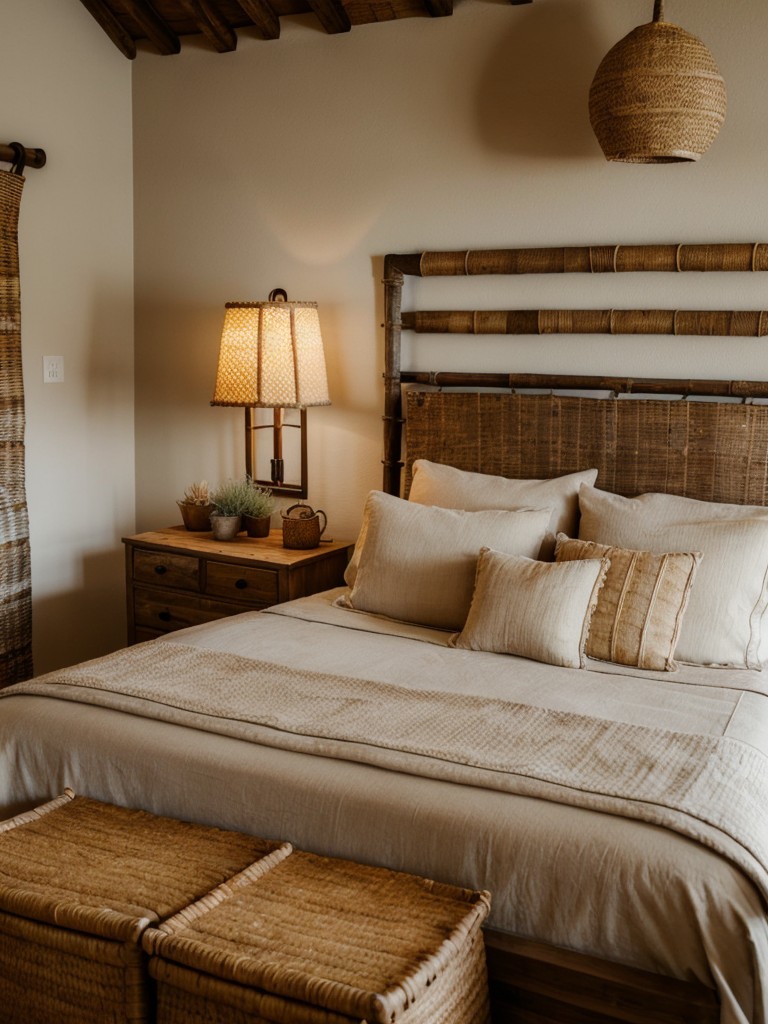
[[177, 578], [242, 583], [166, 570], [164, 612]]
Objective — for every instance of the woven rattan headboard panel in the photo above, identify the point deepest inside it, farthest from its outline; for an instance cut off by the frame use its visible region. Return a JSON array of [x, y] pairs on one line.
[[708, 450]]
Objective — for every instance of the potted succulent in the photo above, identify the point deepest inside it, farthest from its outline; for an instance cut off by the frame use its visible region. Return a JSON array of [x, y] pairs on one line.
[[259, 508], [196, 507], [229, 501]]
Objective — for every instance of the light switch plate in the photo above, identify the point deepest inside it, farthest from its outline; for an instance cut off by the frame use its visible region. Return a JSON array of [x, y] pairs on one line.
[[53, 369]]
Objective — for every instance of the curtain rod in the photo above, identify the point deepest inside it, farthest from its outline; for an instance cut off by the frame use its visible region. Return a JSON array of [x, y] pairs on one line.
[[9, 153]]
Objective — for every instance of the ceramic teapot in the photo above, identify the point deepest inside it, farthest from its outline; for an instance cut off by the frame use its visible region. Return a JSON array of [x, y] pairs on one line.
[[301, 526]]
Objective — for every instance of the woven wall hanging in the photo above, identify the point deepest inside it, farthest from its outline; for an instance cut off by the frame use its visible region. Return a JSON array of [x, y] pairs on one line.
[[15, 565], [657, 96]]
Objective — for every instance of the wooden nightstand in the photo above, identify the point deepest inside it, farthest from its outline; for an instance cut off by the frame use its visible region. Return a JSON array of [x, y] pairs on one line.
[[175, 578]]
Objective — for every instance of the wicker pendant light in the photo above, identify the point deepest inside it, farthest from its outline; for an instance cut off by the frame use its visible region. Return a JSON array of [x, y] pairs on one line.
[[658, 96]]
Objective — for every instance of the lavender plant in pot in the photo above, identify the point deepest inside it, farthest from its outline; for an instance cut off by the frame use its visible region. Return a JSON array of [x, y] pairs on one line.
[[229, 501], [259, 508]]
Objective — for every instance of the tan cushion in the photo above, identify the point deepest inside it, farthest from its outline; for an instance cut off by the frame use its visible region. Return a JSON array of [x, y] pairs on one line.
[[641, 604], [722, 623], [417, 563], [537, 610], [435, 484]]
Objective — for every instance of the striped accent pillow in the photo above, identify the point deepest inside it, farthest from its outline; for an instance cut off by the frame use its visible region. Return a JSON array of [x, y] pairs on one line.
[[641, 605]]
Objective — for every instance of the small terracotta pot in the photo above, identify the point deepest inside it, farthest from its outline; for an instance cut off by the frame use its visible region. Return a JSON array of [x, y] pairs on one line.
[[257, 526], [195, 517]]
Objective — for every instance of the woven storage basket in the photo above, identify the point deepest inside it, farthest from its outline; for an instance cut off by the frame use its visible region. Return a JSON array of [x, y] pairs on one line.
[[323, 941], [657, 96], [79, 883]]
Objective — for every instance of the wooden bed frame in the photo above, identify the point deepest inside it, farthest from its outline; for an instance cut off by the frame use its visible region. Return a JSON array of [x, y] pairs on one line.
[[710, 450]]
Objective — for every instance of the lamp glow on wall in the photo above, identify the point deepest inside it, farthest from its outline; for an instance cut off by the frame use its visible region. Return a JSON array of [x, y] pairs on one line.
[[271, 357], [657, 96]]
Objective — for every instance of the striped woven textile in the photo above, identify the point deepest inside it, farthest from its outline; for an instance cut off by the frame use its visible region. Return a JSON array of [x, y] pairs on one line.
[[15, 570]]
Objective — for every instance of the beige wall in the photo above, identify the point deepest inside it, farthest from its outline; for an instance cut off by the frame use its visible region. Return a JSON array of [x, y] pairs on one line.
[[66, 89], [299, 163]]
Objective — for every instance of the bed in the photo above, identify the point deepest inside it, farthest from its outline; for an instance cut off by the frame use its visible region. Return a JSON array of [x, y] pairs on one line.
[[616, 810]]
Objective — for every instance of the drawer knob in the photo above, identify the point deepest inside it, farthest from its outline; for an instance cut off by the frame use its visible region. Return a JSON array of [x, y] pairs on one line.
[[165, 616], [161, 569], [241, 584]]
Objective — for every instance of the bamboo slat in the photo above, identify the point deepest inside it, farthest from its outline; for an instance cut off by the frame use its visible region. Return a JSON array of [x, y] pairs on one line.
[[690, 322], [729, 257], [743, 389]]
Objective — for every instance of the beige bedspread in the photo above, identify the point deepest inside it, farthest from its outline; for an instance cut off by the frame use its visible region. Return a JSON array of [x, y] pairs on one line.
[[398, 718], [713, 788]]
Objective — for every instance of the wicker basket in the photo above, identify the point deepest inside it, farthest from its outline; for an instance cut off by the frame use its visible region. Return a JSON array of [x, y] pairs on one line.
[[657, 96], [79, 883], [323, 941]]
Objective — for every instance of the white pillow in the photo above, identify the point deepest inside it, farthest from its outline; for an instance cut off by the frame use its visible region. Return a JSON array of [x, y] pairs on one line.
[[537, 610], [722, 623], [417, 563], [435, 484]]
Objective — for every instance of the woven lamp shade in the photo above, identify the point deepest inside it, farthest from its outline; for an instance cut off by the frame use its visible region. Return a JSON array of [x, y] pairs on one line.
[[271, 355], [657, 97]]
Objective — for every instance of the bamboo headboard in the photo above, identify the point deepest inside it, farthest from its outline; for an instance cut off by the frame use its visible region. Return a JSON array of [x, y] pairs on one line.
[[704, 449]]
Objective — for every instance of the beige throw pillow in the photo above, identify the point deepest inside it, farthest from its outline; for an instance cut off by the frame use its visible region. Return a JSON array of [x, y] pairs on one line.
[[537, 610], [722, 623], [417, 563], [640, 607], [435, 484]]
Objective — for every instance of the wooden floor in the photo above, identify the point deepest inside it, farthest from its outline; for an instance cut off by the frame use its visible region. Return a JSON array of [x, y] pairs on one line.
[[535, 984]]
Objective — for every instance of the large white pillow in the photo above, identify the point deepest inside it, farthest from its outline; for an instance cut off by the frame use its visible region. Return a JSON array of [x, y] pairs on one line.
[[435, 484], [417, 563], [538, 610], [722, 623]]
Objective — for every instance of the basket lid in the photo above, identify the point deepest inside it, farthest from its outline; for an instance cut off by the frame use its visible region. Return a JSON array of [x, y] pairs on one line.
[[350, 938]]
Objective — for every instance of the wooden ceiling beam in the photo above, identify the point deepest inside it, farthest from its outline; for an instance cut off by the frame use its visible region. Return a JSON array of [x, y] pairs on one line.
[[331, 15], [263, 17], [110, 24], [163, 22], [151, 25], [218, 32]]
